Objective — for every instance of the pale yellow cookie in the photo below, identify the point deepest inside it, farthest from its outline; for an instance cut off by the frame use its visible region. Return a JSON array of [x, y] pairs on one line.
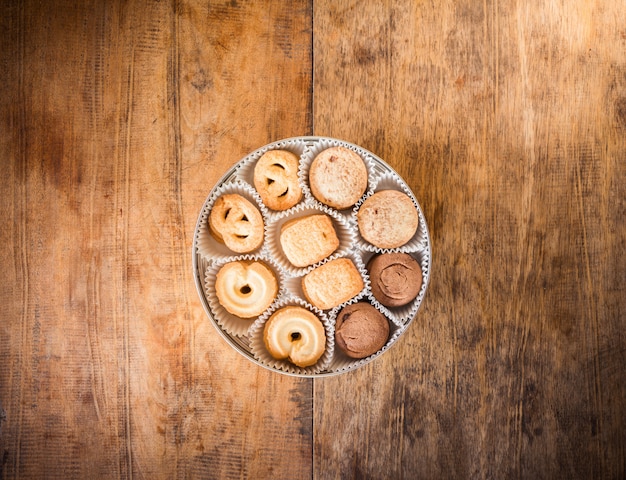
[[246, 289], [308, 240], [332, 283], [296, 334]]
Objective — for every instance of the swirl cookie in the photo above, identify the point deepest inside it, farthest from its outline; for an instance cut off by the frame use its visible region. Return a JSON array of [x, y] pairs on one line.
[[296, 334], [237, 223], [396, 278], [338, 177], [276, 179], [387, 219], [246, 289]]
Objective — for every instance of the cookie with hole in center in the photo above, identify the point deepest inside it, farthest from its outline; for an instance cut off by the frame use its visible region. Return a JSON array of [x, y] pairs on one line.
[[246, 288], [296, 334]]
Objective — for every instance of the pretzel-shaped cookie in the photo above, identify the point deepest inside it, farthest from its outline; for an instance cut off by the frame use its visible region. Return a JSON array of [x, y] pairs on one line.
[[276, 179], [237, 223]]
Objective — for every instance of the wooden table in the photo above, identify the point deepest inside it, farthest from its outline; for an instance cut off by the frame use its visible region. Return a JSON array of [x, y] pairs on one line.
[[506, 118]]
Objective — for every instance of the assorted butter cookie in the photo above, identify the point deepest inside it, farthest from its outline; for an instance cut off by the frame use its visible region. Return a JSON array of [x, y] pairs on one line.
[[387, 219], [237, 223], [338, 177], [246, 288], [296, 334], [309, 239], [332, 283], [361, 330], [276, 179], [395, 278]]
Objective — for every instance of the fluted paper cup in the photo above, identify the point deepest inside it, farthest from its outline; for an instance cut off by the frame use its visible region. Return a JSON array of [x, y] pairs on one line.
[[260, 352], [390, 181], [340, 361], [207, 245], [400, 315], [343, 229], [316, 148], [230, 323]]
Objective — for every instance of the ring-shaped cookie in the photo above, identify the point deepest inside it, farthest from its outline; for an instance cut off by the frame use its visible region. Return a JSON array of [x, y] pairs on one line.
[[296, 334], [276, 179], [237, 223], [246, 289]]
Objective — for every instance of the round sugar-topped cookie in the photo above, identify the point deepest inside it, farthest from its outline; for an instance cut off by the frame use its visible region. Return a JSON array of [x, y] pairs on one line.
[[388, 219], [338, 177]]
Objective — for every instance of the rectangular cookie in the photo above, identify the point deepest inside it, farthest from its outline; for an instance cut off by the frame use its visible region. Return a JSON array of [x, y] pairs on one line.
[[332, 283], [308, 240]]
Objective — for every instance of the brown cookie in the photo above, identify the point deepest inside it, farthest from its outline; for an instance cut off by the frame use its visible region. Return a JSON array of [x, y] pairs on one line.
[[361, 330], [387, 219], [395, 278], [338, 177], [276, 179]]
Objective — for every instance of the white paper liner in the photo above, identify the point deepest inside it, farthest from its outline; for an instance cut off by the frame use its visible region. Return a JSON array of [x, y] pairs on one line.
[[206, 244], [390, 181], [245, 169], [340, 361], [258, 349], [230, 323], [316, 148], [401, 315], [343, 228]]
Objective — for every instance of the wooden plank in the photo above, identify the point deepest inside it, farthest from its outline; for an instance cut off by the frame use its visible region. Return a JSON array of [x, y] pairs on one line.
[[117, 120], [508, 122]]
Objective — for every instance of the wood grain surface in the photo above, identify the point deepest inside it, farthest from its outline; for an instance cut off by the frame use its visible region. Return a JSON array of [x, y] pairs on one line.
[[117, 120], [506, 118]]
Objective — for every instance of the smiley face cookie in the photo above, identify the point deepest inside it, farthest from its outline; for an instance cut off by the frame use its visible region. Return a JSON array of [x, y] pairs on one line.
[[276, 179], [237, 223]]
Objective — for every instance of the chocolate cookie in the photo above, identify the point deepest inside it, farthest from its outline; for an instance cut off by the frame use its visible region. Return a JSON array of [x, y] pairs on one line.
[[395, 278], [361, 330]]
